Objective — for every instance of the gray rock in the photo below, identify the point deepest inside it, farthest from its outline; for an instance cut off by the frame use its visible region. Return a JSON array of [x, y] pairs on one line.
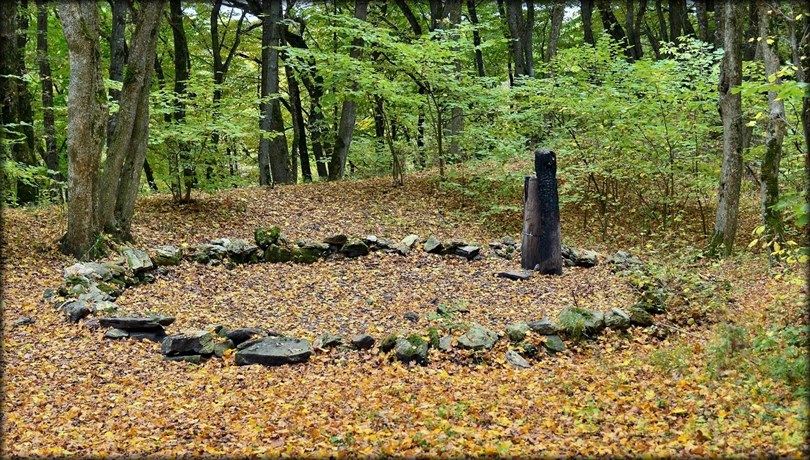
[[274, 351], [386, 245], [413, 348], [554, 344], [516, 361], [76, 310], [328, 340], [354, 248], [94, 295], [478, 338], [433, 245], [91, 270], [104, 307], [508, 241], [277, 254], [265, 236], [207, 253], [446, 343], [517, 331], [221, 347], [578, 320], [529, 349], [515, 275], [371, 241], [193, 359], [617, 318], [640, 317], [137, 260], [410, 240], [237, 336], [24, 321], [249, 342], [115, 334], [240, 251], [452, 244], [137, 323], [116, 267], [188, 342], [336, 240], [623, 261], [388, 343], [411, 316], [579, 257], [504, 253], [469, 252], [167, 255], [362, 342], [544, 327]]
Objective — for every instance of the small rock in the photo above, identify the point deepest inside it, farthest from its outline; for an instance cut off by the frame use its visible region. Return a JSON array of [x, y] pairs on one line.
[[328, 340], [240, 335], [91, 324], [446, 343], [617, 318], [515, 275], [273, 351], [452, 244], [388, 343], [623, 261], [411, 316], [554, 344], [410, 240], [189, 342], [469, 252], [579, 257], [517, 331], [478, 338], [49, 294], [207, 253], [354, 248], [336, 240], [414, 348], [386, 245], [115, 334], [193, 359], [24, 321], [277, 254], [508, 241], [543, 327], [528, 349], [242, 252], [362, 342], [76, 310], [516, 361], [137, 260], [104, 307], [370, 240], [265, 236], [640, 317], [137, 323], [167, 255], [433, 245]]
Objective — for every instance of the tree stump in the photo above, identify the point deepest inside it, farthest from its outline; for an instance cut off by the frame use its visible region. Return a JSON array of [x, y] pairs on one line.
[[540, 243]]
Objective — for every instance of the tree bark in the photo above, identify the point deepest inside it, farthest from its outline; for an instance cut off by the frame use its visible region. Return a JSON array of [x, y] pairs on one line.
[[586, 10], [613, 28], [87, 123], [299, 126], [182, 72], [49, 154], [702, 20], [514, 19], [274, 163], [118, 55], [557, 15], [769, 177], [635, 36], [725, 227], [24, 110], [751, 44], [345, 131], [540, 242], [479, 56], [452, 9], [132, 125]]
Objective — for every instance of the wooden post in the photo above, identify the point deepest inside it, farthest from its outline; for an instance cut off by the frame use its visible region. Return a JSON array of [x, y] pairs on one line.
[[540, 243]]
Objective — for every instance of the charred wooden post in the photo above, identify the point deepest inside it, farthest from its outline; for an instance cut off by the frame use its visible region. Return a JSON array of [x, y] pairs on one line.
[[540, 244]]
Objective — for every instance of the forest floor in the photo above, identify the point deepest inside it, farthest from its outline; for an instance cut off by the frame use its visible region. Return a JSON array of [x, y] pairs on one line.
[[685, 388]]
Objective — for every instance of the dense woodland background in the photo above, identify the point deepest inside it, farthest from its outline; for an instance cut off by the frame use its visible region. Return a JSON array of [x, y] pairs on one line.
[[645, 110]]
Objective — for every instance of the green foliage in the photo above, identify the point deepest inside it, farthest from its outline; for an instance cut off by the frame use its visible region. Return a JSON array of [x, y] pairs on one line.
[[722, 352], [672, 360]]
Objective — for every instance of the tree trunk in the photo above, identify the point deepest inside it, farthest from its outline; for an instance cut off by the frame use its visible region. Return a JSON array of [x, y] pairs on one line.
[[702, 20], [49, 154], [725, 227], [24, 110], [662, 23], [274, 164], [118, 55], [586, 10], [345, 130], [805, 114], [87, 123], [514, 19], [182, 71], [299, 126], [613, 28], [132, 124], [541, 246], [771, 217], [557, 15], [479, 57], [751, 44], [452, 10], [635, 36]]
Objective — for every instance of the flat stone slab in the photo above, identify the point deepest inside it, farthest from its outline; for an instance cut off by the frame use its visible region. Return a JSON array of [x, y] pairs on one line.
[[515, 275], [274, 351], [190, 342], [136, 323]]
